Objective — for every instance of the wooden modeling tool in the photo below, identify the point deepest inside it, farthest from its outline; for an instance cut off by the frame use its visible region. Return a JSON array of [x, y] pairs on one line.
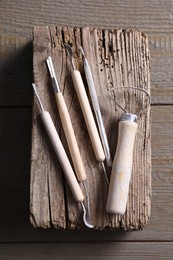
[[68, 130], [62, 157], [87, 113], [123, 161], [96, 107]]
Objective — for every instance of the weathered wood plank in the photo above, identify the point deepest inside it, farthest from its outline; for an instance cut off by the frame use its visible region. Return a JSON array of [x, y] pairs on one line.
[[14, 195], [47, 203], [16, 61], [118, 58], [85, 251], [161, 49]]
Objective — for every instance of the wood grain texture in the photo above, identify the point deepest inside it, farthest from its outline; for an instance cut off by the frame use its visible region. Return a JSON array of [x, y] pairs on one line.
[[17, 19], [14, 196], [161, 48], [85, 251], [117, 58], [153, 16]]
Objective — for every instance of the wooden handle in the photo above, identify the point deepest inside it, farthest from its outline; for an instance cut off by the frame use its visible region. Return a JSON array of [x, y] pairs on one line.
[[88, 116], [70, 137], [62, 157], [122, 168]]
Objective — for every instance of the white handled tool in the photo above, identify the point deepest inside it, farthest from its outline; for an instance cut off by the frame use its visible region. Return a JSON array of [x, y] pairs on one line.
[[123, 160], [96, 106], [62, 157], [122, 165], [87, 113]]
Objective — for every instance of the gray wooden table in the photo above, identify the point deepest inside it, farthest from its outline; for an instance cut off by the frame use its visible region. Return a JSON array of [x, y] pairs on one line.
[[18, 239]]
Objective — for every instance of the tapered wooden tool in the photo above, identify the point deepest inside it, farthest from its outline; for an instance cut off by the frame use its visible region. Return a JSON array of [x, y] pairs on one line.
[[67, 125], [62, 157], [88, 116], [96, 107], [122, 165], [87, 113]]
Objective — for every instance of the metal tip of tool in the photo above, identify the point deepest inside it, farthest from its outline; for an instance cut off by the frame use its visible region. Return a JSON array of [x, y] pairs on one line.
[[108, 160], [70, 52], [69, 49], [50, 66], [52, 74], [38, 98], [82, 51], [105, 172], [85, 216], [87, 199], [34, 88], [84, 57]]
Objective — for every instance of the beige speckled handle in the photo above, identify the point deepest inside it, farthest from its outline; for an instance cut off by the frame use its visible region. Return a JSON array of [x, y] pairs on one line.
[[122, 168], [70, 137], [88, 116], [62, 157]]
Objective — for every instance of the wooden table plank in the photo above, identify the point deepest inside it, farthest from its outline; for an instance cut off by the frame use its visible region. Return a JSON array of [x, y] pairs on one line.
[[85, 251], [153, 16]]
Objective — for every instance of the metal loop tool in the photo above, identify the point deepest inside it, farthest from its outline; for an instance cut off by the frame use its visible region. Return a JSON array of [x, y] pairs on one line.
[[134, 88], [123, 160]]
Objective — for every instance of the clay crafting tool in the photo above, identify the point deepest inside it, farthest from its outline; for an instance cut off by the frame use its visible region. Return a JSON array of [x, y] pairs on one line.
[[68, 130], [96, 107], [123, 160], [62, 157], [87, 113]]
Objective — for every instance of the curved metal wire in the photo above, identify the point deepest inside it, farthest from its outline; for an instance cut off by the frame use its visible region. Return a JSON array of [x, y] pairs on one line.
[[87, 199], [85, 216], [140, 89]]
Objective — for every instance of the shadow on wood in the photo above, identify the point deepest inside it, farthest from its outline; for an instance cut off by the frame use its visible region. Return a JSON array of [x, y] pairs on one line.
[[15, 135], [16, 75]]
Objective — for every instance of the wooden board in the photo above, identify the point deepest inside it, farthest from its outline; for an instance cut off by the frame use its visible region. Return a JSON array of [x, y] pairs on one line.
[[85, 251], [118, 58]]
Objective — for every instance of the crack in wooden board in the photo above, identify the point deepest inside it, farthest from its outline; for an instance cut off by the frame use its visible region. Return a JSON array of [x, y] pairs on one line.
[[118, 58]]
